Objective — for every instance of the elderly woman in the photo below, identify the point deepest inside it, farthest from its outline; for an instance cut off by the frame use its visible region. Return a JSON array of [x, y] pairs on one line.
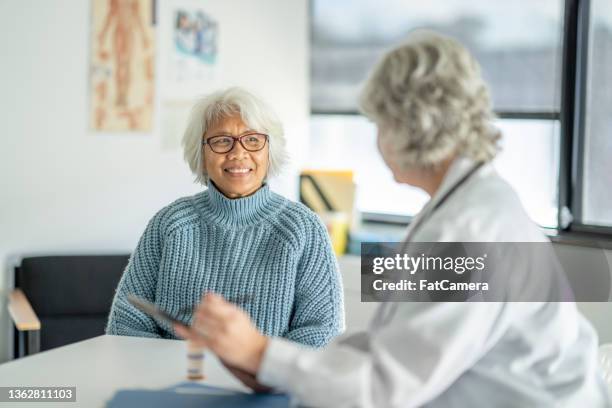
[[237, 238], [433, 114]]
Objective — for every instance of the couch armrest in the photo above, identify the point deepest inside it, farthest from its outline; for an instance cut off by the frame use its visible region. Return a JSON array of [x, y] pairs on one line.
[[21, 311]]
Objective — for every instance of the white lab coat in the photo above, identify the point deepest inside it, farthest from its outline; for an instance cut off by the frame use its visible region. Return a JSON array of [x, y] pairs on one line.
[[454, 354]]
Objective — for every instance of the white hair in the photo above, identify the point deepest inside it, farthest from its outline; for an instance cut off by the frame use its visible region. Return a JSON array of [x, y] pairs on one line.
[[430, 95], [254, 112]]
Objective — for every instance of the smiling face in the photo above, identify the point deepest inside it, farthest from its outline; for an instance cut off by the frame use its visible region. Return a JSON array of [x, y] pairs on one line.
[[239, 172]]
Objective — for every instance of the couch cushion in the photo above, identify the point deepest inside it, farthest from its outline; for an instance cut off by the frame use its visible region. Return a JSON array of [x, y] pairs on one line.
[[70, 285], [60, 331]]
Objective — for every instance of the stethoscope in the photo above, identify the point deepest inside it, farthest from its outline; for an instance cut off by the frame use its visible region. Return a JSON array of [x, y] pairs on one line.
[[385, 312]]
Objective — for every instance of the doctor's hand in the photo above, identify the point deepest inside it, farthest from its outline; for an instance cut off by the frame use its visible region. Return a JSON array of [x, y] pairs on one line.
[[228, 332], [247, 379]]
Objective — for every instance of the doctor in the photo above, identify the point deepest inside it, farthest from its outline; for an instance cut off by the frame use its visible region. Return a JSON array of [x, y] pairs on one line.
[[433, 113]]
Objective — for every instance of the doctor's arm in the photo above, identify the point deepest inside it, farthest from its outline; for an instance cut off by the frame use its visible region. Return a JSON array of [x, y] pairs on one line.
[[407, 363]]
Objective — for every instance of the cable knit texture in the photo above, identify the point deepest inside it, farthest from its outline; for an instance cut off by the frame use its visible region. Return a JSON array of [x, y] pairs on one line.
[[264, 246]]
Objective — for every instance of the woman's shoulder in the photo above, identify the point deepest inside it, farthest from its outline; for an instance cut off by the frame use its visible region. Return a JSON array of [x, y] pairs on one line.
[[180, 213], [297, 215], [300, 227], [294, 223]]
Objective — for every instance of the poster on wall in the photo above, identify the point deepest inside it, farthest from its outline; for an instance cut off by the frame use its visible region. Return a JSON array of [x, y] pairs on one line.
[[194, 49], [190, 61], [122, 75]]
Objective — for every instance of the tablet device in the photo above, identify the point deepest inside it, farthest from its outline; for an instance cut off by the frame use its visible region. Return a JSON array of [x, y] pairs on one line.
[[152, 310]]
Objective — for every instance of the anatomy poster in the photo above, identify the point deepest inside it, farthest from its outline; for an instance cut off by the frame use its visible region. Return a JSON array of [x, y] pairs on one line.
[[122, 77]]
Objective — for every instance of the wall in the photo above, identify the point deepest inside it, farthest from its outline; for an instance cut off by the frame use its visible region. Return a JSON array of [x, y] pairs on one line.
[[66, 190]]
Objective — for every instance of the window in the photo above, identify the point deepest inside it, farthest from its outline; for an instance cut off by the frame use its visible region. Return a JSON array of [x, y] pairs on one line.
[[519, 46], [349, 142], [596, 197], [547, 63], [529, 147]]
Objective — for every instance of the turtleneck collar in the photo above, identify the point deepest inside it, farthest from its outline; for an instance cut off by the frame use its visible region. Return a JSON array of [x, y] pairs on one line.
[[238, 211]]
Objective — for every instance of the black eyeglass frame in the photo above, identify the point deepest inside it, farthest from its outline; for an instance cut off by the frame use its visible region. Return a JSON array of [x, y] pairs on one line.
[[236, 138]]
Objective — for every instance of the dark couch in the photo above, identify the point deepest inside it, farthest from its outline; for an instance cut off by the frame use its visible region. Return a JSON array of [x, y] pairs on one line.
[[70, 296]]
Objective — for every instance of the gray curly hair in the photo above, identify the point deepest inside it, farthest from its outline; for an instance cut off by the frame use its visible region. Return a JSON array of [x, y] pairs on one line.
[[430, 95]]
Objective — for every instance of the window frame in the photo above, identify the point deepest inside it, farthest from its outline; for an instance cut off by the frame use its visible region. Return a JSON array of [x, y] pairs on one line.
[[576, 161], [571, 116]]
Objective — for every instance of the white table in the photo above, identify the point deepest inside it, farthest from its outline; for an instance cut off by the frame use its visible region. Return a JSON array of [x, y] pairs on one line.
[[100, 366]]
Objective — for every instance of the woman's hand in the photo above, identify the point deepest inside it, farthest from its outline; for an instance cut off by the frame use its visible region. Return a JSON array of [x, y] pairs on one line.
[[228, 331]]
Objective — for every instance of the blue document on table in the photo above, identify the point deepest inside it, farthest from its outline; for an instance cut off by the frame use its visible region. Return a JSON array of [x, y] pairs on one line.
[[196, 395]]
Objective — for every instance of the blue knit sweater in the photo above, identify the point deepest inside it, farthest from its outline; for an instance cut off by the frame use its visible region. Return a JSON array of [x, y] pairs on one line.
[[264, 246]]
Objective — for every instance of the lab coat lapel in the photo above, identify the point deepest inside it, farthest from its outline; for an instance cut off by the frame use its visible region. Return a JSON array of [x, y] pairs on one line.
[[458, 168]]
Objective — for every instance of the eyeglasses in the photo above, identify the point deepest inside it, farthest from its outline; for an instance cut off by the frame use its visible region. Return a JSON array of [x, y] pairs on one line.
[[251, 142]]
